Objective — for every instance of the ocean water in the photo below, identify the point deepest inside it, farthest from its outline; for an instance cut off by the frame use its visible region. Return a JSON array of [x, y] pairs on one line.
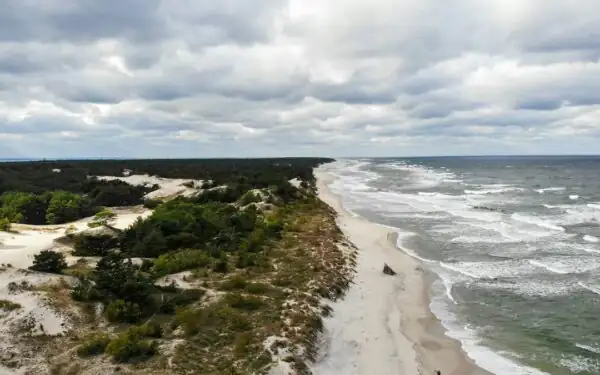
[[514, 241]]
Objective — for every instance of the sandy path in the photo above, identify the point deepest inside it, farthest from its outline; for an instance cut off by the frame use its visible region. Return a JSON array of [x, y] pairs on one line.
[[384, 326]]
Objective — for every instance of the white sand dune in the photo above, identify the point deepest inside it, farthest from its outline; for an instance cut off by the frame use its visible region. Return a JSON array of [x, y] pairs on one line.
[[383, 326], [168, 186]]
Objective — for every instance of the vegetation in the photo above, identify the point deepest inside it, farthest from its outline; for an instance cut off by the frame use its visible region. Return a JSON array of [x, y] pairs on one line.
[[94, 245], [260, 253], [7, 305], [130, 346], [4, 225], [49, 261], [93, 345], [104, 218]]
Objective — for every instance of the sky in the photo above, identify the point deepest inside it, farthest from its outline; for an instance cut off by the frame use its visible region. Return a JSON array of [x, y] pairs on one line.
[[261, 78]]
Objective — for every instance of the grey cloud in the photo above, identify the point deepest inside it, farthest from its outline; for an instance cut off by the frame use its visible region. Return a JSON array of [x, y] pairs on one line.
[[214, 74]]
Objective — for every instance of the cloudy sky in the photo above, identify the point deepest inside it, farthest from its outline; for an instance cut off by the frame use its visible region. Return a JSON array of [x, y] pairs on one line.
[[199, 78]]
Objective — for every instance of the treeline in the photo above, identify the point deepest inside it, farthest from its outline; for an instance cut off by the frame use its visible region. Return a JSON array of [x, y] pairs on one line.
[[61, 206], [53, 192], [40, 176]]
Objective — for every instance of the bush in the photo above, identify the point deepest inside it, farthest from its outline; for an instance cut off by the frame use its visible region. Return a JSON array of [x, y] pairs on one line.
[[9, 305], [105, 217], [238, 301], [222, 266], [120, 311], [49, 261], [250, 197], [180, 261], [129, 346], [152, 203], [234, 283], [93, 345], [88, 245], [257, 288], [150, 329], [4, 225]]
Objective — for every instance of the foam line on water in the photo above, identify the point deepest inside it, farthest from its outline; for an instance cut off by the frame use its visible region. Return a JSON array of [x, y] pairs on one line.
[[588, 348], [557, 188], [591, 239], [533, 220], [592, 289], [483, 356]]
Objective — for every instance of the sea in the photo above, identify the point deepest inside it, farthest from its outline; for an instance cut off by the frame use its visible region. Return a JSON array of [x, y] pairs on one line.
[[514, 243]]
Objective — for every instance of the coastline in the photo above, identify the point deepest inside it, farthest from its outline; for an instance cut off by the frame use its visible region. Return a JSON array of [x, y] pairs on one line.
[[384, 324]]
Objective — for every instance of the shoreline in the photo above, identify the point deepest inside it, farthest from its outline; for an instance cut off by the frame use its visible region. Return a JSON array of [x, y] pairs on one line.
[[384, 324]]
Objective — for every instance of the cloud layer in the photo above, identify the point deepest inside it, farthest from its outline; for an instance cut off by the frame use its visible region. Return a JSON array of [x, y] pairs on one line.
[[166, 78]]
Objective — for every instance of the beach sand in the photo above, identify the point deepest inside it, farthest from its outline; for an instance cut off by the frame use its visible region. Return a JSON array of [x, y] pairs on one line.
[[383, 325]]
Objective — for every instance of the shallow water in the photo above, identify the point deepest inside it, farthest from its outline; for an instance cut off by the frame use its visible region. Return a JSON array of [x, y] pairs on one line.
[[515, 242]]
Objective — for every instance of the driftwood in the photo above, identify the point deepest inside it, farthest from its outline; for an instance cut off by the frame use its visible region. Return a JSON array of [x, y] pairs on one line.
[[388, 270]]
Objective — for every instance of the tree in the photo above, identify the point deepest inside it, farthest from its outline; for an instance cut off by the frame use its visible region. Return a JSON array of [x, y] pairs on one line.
[[4, 225], [117, 277], [49, 261], [64, 207], [27, 208], [104, 218], [119, 311]]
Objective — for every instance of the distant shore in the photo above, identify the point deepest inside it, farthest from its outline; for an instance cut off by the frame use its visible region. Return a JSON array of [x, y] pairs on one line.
[[384, 325]]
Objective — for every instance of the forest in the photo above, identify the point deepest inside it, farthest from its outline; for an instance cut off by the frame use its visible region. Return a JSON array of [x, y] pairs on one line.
[[55, 192]]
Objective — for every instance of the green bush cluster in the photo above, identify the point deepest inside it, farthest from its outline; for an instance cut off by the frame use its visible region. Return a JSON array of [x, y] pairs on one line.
[[9, 305], [131, 346], [4, 225], [128, 346], [49, 261], [93, 345], [120, 311], [181, 260], [94, 245]]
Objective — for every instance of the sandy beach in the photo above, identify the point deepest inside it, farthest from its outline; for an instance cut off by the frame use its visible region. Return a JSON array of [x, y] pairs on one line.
[[384, 325]]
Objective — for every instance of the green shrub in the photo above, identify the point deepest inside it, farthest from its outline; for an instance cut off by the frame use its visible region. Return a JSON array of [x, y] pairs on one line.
[[257, 288], [49, 261], [129, 346], [222, 266], [250, 197], [150, 329], [96, 245], [9, 305], [152, 203], [234, 283], [120, 311], [180, 261], [167, 304], [238, 301], [93, 345], [4, 225], [245, 259]]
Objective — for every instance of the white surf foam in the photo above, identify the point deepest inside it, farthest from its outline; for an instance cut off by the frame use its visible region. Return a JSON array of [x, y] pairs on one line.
[[591, 239], [471, 343], [490, 270], [593, 289], [573, 197], [567, 264], [533, 220], [557, 188], [579, 364], [493, 190], [532, 287], [547, 267], [592, 349]]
